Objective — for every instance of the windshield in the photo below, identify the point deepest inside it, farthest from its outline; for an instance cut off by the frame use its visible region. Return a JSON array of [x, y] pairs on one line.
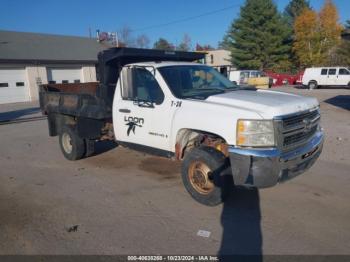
[[194, 81]]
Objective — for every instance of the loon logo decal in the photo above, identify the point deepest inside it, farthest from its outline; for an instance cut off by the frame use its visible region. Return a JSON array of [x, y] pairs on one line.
[[132, 123]]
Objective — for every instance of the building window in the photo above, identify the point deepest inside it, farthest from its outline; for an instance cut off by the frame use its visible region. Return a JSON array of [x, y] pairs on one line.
[[52, 82], [212, 59], [19, 83], [65, 81], [77, 81], [4, 84]]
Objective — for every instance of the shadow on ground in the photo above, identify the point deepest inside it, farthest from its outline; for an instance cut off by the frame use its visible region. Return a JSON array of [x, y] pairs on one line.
[[240, 220], [342, 101], [11, 115], [104, 146]]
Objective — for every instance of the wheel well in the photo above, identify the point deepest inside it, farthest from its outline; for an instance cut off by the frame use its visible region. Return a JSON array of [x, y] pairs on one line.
[[188, 139], [312, 81]]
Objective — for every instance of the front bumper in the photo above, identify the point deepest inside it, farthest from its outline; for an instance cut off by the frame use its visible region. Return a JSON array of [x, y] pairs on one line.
[[266, 167]]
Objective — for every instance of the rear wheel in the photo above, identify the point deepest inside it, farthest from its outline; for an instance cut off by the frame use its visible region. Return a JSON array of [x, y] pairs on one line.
[[234, 82], [312, 85], [72, 146], [203, 175]]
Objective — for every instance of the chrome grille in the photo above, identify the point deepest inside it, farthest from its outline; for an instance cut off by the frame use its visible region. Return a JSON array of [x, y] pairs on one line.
[[298, 129], [298, 137], [298, 120]]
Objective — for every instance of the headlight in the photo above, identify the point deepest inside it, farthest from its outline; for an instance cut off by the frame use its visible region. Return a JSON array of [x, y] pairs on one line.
[[259, 133]]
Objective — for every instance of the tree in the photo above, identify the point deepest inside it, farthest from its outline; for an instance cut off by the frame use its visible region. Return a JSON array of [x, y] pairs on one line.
[[317, 36], [291, 12], [185, 44], [342, 55], [142, 41], [258, 39], [294, 9], [204, 47], [330, 29], [306, 43], [125, 37], [163, 44]]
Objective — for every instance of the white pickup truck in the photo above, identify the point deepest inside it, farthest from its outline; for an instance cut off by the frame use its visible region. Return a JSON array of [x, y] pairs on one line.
[[162, 103]]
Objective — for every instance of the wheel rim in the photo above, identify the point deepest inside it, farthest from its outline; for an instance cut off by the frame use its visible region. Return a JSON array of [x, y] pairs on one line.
[[200, 177], [67, 143]]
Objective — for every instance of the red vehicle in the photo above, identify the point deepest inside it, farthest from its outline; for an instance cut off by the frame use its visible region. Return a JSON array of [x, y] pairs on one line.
[[285, 79]]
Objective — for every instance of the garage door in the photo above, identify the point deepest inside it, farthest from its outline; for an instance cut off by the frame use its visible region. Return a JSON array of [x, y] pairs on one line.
[[64, 75], [13, 86]]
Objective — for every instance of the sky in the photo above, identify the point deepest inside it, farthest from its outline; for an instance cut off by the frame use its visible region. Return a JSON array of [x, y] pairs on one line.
[[75, 17]]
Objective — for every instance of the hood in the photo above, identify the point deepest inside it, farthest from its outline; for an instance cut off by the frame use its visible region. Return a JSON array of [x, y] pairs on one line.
[[267, 104]]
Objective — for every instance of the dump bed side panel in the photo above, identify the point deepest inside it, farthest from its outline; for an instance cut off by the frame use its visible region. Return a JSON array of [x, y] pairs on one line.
[[78, 100]]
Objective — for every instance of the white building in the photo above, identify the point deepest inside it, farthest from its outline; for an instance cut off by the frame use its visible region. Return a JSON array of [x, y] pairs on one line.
[[29, 59]]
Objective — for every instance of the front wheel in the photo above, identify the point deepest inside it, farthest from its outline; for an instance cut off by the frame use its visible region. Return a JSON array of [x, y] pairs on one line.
[[203, 175], [312, 85], [72, 146]]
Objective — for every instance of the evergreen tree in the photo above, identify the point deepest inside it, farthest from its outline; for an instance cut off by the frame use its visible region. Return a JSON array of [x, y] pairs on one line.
[[258, 39], [294, 9]]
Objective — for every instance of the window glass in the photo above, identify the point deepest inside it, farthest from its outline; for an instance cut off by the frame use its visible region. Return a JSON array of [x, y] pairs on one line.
[[324, 71], [4, 84], [144, 87], [52, 82], [65, 81], [195, 81], [332, 71], [19, 84], [343, 71], [77, 81]]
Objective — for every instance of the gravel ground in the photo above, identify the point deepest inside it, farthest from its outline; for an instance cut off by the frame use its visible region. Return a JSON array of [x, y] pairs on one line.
[[124, 202]]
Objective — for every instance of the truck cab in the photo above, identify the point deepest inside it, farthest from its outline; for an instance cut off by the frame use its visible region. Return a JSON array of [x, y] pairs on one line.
[[165, 104]]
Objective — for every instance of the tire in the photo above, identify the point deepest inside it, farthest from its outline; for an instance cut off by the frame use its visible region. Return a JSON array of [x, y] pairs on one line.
[[204, 161], [348, 86], [72, 146], [312, 85], [90, 147], [234, 82]]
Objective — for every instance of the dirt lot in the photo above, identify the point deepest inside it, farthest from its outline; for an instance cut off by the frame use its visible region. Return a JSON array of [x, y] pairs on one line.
[[124, 202]]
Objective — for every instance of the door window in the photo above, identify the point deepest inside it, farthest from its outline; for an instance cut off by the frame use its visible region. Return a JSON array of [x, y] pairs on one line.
[[142, 86]]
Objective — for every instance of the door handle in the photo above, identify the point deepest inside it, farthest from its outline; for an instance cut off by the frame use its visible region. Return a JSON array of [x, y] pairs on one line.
[[124, 110]]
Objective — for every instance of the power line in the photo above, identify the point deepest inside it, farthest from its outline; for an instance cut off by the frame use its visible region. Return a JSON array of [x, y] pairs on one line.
[[187, 18]]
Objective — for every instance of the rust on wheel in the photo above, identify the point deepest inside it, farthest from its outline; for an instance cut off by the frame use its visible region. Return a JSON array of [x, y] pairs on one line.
[[200, 177]]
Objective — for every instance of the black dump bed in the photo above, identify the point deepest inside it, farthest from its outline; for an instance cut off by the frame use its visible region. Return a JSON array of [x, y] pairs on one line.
[[94, 100]]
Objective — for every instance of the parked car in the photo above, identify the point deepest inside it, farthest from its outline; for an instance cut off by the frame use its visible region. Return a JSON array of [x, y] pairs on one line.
[[188, 112], [326, 76], [250, 77]]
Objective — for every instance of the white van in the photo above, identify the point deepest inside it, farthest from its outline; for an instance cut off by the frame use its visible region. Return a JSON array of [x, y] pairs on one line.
[[326, 76]]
